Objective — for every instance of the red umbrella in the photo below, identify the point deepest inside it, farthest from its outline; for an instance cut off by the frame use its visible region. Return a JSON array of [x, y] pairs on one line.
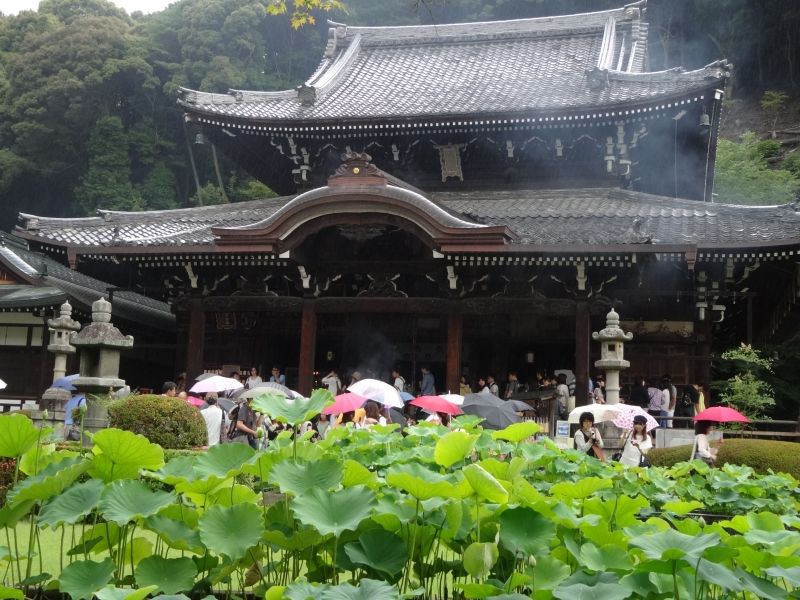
[[721, 414], [344, 403], [436, 404]]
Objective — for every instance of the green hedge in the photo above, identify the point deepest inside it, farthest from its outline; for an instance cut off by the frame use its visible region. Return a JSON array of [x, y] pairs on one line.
[[761, 455], [168, 422]]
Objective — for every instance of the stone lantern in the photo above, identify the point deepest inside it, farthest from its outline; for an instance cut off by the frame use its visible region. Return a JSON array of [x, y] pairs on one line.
[[612, 356], [100, 344], [62, 330]]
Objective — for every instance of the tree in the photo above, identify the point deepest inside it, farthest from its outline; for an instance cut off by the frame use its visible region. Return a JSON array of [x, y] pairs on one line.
[[747, 391], [302, 10]]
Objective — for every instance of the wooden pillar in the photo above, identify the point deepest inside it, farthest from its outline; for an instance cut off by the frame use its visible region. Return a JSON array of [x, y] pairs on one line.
[[455, 329], [582, 352], [703, 353], [195, 345], [308, 347]]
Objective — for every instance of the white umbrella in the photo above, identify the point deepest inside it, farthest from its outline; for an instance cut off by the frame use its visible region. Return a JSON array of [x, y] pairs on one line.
[[456, 399], [2, 384], [377, 390], [600, 412], [216, 383]]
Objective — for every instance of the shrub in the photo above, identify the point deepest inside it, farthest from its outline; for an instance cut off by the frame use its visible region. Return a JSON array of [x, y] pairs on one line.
[[168, 422], [760, 455], [792, 164], [769, 148]]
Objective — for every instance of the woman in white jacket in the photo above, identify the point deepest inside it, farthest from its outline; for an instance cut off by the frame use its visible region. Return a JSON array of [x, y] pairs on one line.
[[702, 445], [637, 443]]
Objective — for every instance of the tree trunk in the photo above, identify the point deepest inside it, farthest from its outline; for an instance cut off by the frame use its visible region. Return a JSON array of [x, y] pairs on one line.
[[219, 174], [191, 162]]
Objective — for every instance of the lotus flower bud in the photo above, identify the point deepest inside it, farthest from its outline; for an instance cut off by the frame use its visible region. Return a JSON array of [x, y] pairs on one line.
[[532, 561]]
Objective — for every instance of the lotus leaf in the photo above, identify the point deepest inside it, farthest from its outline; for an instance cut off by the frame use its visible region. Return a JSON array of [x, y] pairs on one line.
[[127, 500], [484, 485], [368, 589], [516, 432], [177, 470], [334, 513], [176, 534], [379, 550], [11, 513], [294, 412], [622, 511], [672, 545], [303, 590], [453, 447], [582, 489], [114, 593], [83, 578], [420, 482], [479, 590], [603, 586], [761, 587], [223, 461], [232, 494], [231, 530], [509, 597], [72, 505], [121, 454], [523, 530], [298, 478], [549, 572], [38, 457], [479, 558], [51, 481], [354, 473], [169, 575], [17, 435], [10, 593]]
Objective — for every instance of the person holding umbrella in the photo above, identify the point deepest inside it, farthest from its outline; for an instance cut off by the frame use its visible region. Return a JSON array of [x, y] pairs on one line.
[[637, 443], [587, 438], [702, 447]]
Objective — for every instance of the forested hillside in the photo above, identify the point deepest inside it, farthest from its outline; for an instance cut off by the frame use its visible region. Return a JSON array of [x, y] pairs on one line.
[[88, 116]]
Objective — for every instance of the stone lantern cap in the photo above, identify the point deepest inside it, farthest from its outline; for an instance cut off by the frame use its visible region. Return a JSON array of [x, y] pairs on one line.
[[101, 333], [612, 331], [65, 325]]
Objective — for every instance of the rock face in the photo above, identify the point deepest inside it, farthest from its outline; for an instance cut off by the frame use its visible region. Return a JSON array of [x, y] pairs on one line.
[[100, 344]]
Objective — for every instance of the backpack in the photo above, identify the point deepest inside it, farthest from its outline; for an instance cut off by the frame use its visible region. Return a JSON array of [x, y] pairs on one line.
[[686, 399], [233, 417]]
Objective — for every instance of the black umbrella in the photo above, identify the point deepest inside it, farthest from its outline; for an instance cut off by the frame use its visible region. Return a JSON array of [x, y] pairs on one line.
[[496, 413]]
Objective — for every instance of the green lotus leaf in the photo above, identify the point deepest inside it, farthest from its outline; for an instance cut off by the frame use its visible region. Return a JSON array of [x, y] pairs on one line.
[[509, 597], [223, 461], [11, 513], [354, 473], [479, 558], [368, 589], [128, 500], [176, 534], [303, 590], [478, 590], [453, 447], [672, 545], [602, 586], [682, 507], [287, 539], [421, 483], [232, 494], [51, 481], [294, 412], [231, 530], [379, 550], [719, 575], [334, 513], [485, 485], [10, 593], [581, 489], [72, 505], [298, 478], [114, 593], [276, 592], [550, 572], [523, 530], [177, 470], [623, 511], [17, 435], [605, 558], [37, 458], [169, 575], [760, 587], [121, 454], [83, 578], [516, 432]]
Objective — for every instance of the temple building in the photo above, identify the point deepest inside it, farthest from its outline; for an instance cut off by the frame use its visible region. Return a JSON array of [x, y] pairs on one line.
[[470, 197]]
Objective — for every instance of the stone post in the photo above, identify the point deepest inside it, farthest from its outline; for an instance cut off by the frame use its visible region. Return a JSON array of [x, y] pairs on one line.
[[612, 354], [62, 331]]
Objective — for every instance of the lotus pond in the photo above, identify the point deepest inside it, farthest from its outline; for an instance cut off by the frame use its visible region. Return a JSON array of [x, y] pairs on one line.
[[372, 514]]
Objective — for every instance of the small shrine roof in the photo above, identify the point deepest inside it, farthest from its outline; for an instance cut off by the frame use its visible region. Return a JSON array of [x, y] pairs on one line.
[[50, 283], [553, 65], [541, 220]]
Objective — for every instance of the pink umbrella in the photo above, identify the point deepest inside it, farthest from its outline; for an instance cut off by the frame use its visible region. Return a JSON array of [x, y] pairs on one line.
[[194, 401], [721, 414], [344, 403], [436, 404], [626, 413]]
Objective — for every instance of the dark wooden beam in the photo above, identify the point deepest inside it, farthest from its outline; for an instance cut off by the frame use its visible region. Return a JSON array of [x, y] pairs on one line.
[[582, 352], [455, 329], [308, 346], [195, 346]]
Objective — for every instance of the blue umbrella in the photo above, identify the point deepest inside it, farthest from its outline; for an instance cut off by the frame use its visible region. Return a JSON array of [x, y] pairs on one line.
[[65, 383], [406, 397]]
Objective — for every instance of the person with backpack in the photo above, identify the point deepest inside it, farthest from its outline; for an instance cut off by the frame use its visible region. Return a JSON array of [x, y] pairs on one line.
[[243, 425], [685, 406], [216, 421], [399, 382]]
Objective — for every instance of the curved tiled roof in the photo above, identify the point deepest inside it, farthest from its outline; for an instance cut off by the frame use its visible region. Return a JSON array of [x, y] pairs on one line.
[[527, 66], [588, 217]]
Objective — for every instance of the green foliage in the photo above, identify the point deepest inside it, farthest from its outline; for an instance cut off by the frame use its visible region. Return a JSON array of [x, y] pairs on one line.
[[774, 102], [762, 456], [208, 195], [747, 391], [743, 176], [769, 148], [168, 422], [792, 164], [302, 10]]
